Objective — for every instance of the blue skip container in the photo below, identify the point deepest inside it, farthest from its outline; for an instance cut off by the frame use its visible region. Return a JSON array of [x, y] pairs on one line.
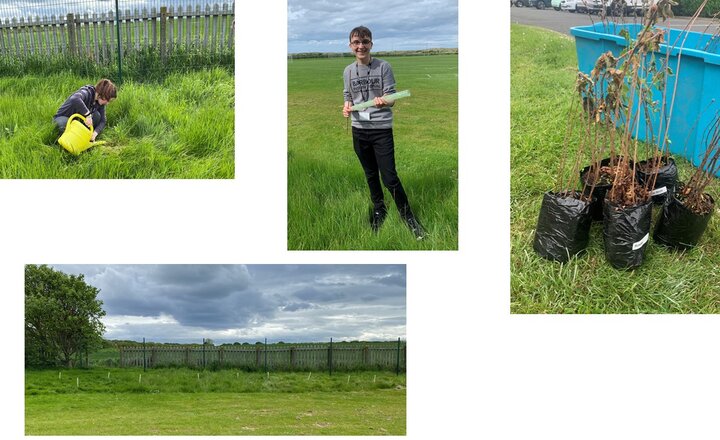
[[697, 97]]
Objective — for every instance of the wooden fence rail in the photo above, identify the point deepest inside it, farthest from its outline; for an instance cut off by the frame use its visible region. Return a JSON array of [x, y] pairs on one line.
[[94, 36], [315, 357]]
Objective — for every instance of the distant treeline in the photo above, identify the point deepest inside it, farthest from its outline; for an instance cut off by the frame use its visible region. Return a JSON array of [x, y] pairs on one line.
[[394, 53]]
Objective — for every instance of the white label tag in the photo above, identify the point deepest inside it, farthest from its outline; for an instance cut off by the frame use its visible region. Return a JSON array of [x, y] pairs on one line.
[[658, 191], [640, 243], [364, 116]]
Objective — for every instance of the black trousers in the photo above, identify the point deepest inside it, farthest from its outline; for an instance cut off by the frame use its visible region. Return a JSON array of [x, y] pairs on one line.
[[376, 151]]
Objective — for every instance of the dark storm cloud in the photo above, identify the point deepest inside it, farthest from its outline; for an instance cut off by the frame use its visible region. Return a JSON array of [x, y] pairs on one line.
[[323, 25], [236, 302]]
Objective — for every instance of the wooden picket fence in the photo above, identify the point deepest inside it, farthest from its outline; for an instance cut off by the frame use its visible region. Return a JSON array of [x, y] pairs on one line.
[[283, 358], [94, 36]]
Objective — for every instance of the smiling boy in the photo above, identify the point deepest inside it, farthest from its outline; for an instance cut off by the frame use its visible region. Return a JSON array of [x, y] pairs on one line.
[[367, 79]]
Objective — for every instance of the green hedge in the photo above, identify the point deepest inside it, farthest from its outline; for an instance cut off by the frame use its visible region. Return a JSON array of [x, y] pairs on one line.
[[688, 7]]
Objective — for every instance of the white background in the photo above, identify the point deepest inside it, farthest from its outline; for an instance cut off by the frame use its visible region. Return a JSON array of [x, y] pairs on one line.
[[474, 370]]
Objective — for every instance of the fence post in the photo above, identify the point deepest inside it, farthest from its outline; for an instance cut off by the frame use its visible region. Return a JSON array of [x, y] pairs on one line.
[[71, 33], [163, 33], [292, 358], [203, 346], [330, 357], [121, 356], [144, 359], [397, 369], [266, 366], [119, 49]]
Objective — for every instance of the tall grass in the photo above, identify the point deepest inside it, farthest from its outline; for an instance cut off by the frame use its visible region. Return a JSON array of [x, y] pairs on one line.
[[543, 66], [328, 198], [140, 65], [181, 127], [187, 380]]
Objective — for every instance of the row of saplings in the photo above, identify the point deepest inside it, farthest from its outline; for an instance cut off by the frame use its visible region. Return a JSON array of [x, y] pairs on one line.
[[621, 97]]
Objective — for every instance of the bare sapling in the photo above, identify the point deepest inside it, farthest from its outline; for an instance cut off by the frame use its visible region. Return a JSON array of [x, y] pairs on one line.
[[692, 194]]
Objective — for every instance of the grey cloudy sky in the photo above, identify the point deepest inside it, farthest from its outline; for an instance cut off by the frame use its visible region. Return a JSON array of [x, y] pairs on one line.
[[247, 303], [324, 25]]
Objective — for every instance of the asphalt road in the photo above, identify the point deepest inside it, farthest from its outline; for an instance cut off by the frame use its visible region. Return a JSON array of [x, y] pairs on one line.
[[560, 21]]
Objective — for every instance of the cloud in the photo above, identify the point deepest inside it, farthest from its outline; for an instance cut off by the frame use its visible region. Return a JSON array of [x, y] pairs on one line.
[[322, 25], [179, 303]]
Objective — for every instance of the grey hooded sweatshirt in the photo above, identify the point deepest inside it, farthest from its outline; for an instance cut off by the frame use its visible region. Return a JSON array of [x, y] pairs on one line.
[[365, 82]]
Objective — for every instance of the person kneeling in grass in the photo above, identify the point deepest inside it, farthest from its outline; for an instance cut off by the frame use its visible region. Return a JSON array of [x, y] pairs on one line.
[[89, 101], [367, 79]]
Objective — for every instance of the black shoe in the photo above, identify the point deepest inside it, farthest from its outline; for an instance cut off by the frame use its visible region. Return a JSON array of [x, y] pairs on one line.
[[377, 218], [415, 227]]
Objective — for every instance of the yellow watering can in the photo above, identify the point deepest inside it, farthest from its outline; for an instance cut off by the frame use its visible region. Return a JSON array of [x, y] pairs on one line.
[[76, 137]]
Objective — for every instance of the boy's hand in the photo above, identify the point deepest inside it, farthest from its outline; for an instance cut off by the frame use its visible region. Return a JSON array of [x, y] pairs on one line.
[[347, 109], [89, 121], [94, 135], [380, 102]]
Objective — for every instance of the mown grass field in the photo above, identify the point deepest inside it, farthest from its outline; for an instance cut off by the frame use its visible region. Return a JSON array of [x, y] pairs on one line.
[[181, 127], [328, 198], [227, 402], [543, 70]]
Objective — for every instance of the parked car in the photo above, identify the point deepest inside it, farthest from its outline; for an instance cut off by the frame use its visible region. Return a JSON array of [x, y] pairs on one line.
[[592, 6], [626, 7], [540, 4], [556, 4], [569, 5]]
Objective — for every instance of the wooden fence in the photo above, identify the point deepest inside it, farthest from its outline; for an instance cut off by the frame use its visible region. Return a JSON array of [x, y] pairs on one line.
[[94, 36], [274, 358]]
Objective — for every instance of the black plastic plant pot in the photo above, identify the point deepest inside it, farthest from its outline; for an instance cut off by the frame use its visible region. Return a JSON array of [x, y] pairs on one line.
[[563, 227], [626, 232], [678, 227], [665, 182], [598, 193]]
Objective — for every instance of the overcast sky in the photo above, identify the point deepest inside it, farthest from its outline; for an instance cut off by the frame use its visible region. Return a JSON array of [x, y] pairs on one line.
[[228, 303], [324, 25]]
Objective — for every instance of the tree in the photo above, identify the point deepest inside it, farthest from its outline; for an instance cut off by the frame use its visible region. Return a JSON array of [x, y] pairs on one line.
[[62, 316]]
